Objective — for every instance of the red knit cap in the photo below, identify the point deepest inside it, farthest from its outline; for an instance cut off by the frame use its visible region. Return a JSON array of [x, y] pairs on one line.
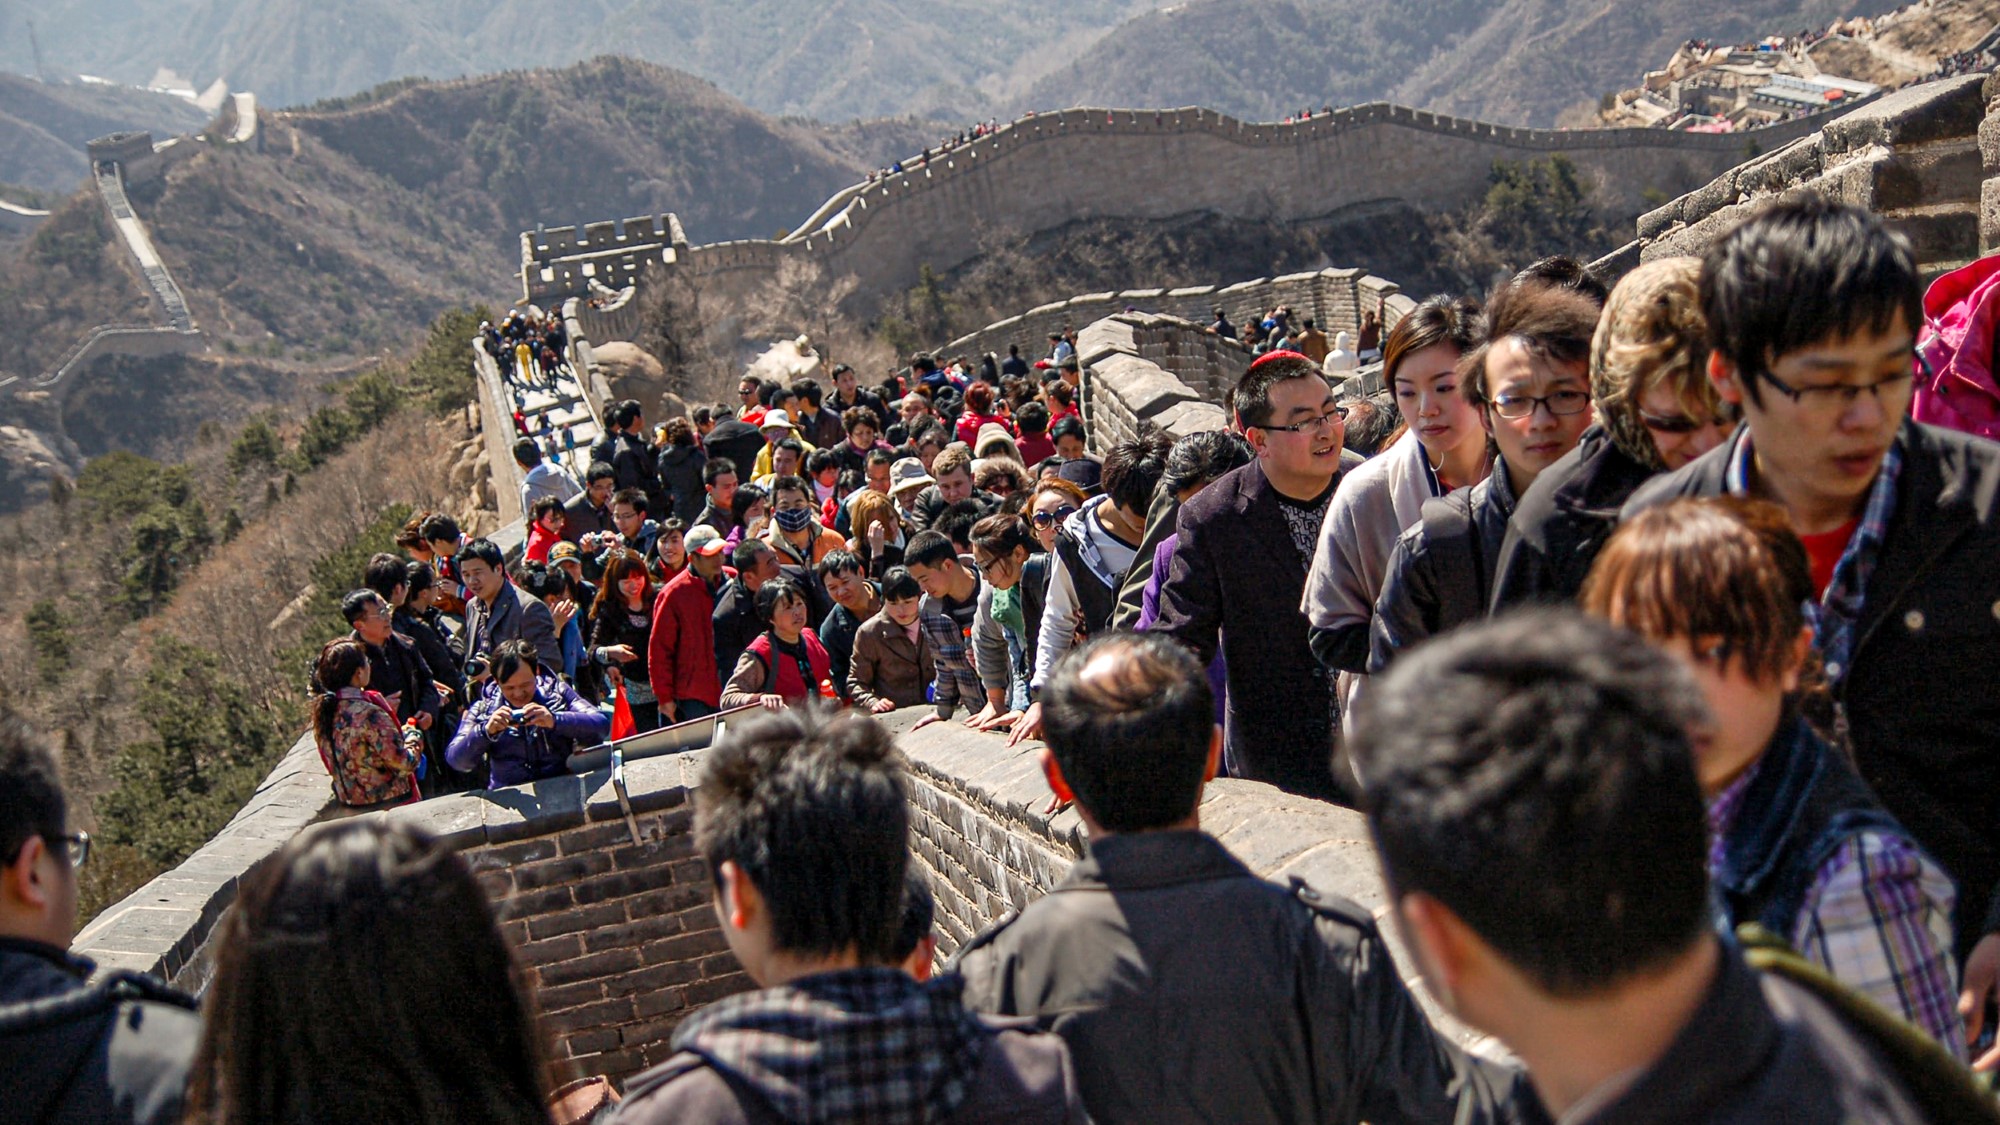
[[1283, 354]]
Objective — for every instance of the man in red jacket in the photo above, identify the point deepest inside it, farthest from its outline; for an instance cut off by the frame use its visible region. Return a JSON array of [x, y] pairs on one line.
[[680, 653]]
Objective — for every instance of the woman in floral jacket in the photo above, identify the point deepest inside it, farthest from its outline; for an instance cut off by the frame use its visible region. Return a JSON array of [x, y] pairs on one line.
[[370, 760]]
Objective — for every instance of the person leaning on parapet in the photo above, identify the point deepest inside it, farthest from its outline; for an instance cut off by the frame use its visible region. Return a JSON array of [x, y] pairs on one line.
[[1531, 790], [116, 1050], [804, 822], [1188, 988], [1813, 309]]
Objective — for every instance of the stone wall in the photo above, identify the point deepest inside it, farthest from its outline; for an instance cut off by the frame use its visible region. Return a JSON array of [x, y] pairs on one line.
[[1334, 298], [1913, 156], [1141, 165]]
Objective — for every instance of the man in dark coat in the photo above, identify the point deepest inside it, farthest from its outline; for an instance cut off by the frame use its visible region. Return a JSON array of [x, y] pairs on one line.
[[1238, 575], [116, 1050], [497, 610], [1901, 521], [1188, 988]]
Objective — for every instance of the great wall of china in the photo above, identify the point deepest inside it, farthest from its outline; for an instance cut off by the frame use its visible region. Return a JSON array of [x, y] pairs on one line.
[[1043, 172], [595, 876]]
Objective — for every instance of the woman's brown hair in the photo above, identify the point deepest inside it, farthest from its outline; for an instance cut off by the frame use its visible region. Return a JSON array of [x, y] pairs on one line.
[[1439, 320], [619, 564], [1722, 569], [361, 977], [979, 398]]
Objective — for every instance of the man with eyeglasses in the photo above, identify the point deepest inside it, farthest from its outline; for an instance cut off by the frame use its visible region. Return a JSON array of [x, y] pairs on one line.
[[116, 1050], [1236, 578], [1529, 383], [1812, 311]]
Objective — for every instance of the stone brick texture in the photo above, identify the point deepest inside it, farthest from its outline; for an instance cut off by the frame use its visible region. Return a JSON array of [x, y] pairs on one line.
[[619, 940]]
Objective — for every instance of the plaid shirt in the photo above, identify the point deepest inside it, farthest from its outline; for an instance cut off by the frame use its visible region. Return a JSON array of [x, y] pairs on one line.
[[1835, 616], [1877, 917], [956, 676]]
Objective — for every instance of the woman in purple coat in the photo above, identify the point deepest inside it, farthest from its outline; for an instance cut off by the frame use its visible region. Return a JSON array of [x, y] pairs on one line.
[[525, 723]]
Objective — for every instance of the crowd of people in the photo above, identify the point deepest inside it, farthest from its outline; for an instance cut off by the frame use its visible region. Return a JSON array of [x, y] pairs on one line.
[[1655, 639]]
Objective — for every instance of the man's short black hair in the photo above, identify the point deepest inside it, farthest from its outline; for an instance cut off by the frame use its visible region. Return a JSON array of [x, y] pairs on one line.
[[599, 470], [842, 561], [384, 573], [31, 793], [1253, 390], [1069, 426], [1565, 272], [1032, 418], [486, 551], [1800, 271], [812, 808], [1133, 738], [632, 498], [929, 548], [1133, 467], [1201, 457], [717, 467], [808, 390], [880, 456], [527, 454], [919, 916], [1533, 774], [743, 556], [624, 413], [356, 602], [956, 522], [797, 447], [438, 526]]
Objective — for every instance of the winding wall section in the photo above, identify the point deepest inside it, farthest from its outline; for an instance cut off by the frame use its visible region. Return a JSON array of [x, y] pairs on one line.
[[1043, 172]]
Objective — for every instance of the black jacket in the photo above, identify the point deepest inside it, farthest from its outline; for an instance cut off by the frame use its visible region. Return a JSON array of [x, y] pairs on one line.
[[680, 481], [1235, 582], [1563, 520], [1190, 990], [931, 504], [397, 668], [436, 649], [1441, 573], [1922, 697], [740, 442], [114, 1052], [1761, 1049]]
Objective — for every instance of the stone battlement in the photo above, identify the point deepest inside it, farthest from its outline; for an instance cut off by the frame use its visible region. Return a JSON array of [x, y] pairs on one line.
[[1040, 173]]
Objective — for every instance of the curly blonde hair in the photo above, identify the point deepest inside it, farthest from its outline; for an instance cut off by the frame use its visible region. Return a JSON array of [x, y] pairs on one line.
[[1652, 335]]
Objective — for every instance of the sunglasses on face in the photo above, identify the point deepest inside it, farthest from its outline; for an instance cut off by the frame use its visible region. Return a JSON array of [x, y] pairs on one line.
[[1045, 520], [1676, 423]]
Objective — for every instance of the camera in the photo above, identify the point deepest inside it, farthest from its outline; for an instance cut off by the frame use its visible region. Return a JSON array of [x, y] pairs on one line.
[[517, 717]]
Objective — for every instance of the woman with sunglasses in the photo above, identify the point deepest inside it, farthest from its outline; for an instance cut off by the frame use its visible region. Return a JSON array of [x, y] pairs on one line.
[[1050, 502], [1656, 411], [1439, 447], [1530, 384]]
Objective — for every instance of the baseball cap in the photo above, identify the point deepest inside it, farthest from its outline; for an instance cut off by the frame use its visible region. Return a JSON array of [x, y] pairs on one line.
[[705, 541], [565, 551]]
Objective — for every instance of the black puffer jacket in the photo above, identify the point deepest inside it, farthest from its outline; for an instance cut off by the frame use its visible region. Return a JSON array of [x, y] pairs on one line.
[[116, 1051], [1563, 520]]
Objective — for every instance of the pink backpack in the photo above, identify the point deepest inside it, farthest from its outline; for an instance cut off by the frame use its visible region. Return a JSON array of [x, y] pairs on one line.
[[1961, 315]]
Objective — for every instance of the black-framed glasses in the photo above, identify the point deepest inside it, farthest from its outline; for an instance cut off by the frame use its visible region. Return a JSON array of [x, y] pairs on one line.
[[1045, 520], [1309, 425], [1837, 397], [986, 568], [1561, 404]]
